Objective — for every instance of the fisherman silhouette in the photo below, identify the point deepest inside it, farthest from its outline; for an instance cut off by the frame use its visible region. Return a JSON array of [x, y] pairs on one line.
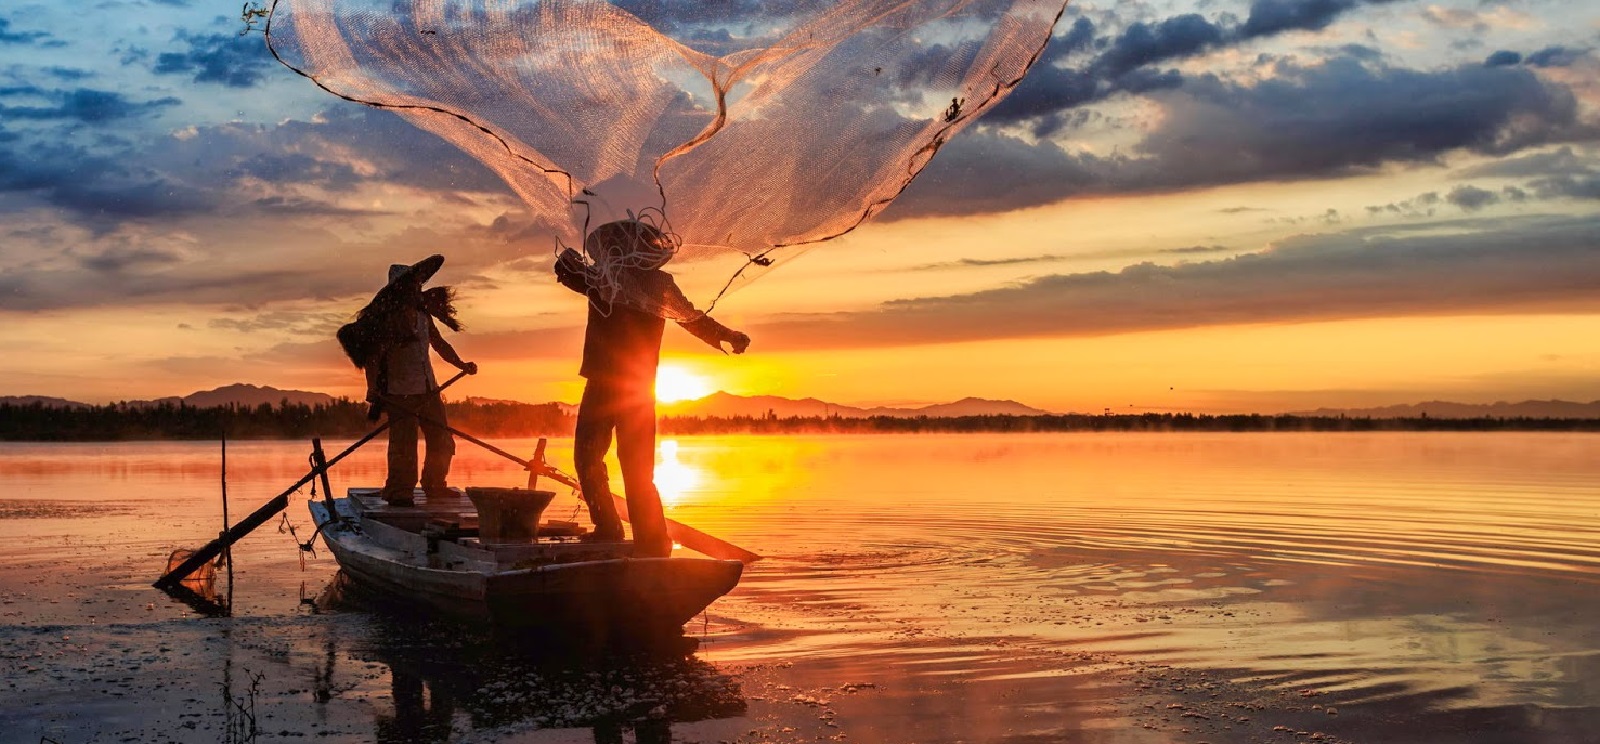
[[389, 340], [630, 300]]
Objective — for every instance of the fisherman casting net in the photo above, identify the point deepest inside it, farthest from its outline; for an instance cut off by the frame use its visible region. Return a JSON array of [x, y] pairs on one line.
[[745, 129]]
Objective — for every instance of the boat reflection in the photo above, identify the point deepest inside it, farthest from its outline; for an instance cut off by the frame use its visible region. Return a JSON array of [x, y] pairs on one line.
[[445, 677]]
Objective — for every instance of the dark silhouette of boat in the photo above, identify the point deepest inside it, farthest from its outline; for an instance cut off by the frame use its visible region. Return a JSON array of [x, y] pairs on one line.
[[430, 556]]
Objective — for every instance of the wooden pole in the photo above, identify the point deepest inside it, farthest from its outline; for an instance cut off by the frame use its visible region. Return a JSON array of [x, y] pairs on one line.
[[320, 462], [538, 457], [267, 510], [227, 553]]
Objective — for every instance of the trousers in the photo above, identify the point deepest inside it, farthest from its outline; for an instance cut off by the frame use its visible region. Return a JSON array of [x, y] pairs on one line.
[[403, 447], [628, 411]]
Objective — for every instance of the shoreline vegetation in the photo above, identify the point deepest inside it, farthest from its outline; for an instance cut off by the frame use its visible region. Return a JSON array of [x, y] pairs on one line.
[[36, 422]]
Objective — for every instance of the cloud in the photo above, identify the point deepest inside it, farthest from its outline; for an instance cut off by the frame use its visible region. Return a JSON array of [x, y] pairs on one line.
[[292, 168], [296, 167], [1417, 207], [1487, 18], [97, 189], [291, 206], [1297, 122], [967, 263], [1474, 266], [7, 36], [1146, 43], [1268, 17], [1555, 57], [123, 258], [84, 105], [1561, 162], [292, 322], [229, 263], [1051, 87], [1570, 187], [1196, 249], [1471, 198], [1503, 58], [228, 59]]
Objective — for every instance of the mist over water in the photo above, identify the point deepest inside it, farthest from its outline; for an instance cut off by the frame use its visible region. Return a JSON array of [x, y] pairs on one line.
[[926, 587]]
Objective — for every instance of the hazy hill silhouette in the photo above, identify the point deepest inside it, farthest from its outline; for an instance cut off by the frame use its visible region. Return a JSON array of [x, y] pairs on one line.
[[43, 400], [243, 394], [237, 394], [728, 405]]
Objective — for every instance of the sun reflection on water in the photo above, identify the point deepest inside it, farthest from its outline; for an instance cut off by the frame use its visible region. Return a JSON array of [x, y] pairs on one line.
[[674, 479]]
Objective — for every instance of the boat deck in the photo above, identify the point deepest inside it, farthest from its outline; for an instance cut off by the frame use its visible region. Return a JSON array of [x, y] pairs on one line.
[[456, 520], [413, 518]]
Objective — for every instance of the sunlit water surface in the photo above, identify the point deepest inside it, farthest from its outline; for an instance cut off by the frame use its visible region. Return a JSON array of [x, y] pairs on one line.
[[1429, 587]]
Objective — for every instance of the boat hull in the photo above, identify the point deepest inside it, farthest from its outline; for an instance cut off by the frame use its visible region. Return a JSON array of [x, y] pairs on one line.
[[616, 595]]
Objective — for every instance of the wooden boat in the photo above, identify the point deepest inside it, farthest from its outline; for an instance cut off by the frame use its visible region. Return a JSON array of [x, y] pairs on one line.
[[430, 556]]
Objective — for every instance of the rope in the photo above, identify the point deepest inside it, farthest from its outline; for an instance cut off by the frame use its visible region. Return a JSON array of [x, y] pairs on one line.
[[647, 243]]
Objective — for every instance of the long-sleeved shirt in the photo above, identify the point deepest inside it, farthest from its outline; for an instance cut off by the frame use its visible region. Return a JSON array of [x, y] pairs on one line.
[[624, 344]]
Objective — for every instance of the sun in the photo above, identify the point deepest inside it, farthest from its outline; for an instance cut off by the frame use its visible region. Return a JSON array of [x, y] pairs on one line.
[[674, 383]]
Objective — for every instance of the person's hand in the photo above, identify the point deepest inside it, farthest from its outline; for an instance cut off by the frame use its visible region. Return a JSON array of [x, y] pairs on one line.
[[739, 342], [374, 410], [470, 368]]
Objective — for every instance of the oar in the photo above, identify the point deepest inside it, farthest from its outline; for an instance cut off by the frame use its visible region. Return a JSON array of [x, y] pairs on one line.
[[267, 510], [680, 533]]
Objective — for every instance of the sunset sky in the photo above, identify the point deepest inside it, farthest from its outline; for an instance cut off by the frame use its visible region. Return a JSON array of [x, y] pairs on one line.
[[1214, 206]]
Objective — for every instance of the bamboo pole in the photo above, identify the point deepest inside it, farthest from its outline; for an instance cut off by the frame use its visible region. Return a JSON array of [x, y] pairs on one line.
[[227, 553]]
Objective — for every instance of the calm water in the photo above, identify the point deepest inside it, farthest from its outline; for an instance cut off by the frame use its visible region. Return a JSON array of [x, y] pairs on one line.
[[1094, 587]]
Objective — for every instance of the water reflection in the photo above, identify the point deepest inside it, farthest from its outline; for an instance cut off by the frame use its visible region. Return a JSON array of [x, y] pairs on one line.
[[199, 589], [674, 479], [446, 676], [1443, 575]]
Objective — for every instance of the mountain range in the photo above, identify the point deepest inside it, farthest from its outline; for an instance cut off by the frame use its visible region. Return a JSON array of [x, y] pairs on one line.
[[717, 404], [237, 394], [725, 405]]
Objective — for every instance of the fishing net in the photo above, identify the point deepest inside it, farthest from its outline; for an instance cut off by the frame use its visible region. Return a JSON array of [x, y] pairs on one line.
[[748, 129]]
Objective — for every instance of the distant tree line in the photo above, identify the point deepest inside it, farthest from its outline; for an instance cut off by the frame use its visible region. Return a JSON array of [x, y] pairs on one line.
[[1150, 422], [348, 419], [342, 418]]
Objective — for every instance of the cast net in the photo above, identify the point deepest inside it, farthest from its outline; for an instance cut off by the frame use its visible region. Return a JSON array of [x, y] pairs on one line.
[[751, 128]]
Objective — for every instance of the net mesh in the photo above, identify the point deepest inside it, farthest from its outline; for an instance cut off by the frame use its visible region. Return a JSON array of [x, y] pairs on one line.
[[756, 128]]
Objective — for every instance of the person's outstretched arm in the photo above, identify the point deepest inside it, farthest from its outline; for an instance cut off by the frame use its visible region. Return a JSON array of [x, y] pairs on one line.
[[700, 325], [448, 352], [707, 329]]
